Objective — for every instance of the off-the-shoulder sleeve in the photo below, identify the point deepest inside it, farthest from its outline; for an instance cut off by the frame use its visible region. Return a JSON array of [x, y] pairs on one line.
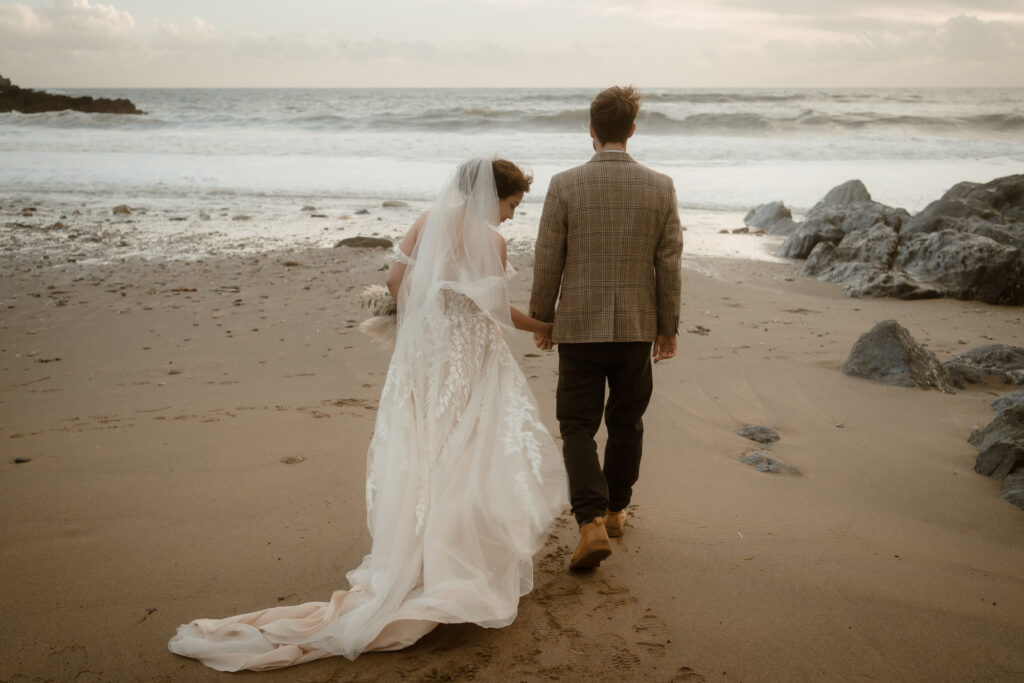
[[401, 257]]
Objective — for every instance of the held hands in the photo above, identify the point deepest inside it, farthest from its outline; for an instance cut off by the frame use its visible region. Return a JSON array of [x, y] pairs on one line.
[[542, 338], [664, 348]]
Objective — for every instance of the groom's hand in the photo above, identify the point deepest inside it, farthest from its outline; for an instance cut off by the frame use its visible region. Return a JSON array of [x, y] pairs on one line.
[[664, 347]]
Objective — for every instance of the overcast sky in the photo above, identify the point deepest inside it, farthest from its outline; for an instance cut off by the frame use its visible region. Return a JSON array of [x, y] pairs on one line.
[[499, 43]]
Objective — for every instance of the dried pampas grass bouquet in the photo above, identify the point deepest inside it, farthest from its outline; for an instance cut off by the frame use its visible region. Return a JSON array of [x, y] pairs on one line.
[[383, 326]]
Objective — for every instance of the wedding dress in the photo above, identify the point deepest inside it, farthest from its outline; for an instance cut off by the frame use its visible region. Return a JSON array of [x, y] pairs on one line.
[[462, 479]]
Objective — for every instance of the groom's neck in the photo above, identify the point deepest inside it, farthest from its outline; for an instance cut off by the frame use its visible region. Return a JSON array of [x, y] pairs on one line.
[[609, 146]]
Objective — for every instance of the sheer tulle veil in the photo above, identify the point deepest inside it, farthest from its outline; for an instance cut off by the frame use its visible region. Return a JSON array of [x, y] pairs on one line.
[[460, 249]]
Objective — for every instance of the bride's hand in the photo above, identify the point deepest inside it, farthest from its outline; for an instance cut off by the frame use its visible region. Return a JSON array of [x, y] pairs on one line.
[[543, 338]]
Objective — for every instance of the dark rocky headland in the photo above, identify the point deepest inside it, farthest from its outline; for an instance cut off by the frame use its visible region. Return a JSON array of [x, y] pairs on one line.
[[28, 101]]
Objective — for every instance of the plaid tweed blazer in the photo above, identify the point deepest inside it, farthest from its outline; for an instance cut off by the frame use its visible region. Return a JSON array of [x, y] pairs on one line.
[[608, 252]]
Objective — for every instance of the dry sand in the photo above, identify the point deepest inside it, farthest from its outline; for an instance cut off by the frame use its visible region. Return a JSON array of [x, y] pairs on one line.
[[196, 437]]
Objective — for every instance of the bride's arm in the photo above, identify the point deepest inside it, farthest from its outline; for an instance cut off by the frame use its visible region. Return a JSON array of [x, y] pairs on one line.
[[397, 270], [520, 320]]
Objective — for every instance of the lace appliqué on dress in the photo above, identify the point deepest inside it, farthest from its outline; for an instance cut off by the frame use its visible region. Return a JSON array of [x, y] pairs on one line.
[[402, 257]]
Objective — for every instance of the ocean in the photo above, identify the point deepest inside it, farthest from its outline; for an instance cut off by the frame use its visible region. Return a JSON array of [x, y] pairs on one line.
[[266, 153]]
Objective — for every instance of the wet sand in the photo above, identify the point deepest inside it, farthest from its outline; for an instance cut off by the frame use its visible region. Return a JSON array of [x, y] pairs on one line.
[[192, 438]]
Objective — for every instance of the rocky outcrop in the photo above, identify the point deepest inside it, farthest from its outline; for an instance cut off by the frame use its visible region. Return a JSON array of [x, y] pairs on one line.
[[967, 245], [888, 352], [28, 101]]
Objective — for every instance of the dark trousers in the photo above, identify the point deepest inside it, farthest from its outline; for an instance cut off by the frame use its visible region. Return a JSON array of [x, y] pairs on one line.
[[583, 371]]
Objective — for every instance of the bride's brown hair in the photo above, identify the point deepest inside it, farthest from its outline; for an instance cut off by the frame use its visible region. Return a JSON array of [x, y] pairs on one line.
[[509, 179]]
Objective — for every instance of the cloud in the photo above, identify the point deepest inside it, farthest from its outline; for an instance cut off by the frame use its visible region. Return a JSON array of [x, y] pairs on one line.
[[199, 31], [969, 38], [17, 19], [65, 25], [710, 43]]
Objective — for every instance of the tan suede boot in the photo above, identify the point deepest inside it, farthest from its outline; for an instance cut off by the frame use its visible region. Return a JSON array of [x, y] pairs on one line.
[[594, 545], [614, 523]]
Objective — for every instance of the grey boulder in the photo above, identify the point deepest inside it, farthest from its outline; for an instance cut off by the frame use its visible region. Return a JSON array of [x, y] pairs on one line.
[[774, 218], [998, 201], [850, 192], [889, 353]]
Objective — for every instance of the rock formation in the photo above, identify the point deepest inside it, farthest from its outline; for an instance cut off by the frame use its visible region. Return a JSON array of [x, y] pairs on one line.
[[969, 244], [28, 101]]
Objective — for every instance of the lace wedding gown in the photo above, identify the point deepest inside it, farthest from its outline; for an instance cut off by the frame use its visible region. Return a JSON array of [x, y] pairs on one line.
[[462, 483]]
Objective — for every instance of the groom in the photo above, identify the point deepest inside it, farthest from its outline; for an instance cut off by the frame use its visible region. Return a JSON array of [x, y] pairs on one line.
[[608, 251]]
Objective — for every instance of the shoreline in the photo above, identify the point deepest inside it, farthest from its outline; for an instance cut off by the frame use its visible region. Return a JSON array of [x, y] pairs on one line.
[[195, 436], [54, 232]]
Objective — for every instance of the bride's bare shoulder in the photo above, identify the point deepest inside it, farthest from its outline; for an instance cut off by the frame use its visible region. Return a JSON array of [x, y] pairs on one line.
[[412, 236]]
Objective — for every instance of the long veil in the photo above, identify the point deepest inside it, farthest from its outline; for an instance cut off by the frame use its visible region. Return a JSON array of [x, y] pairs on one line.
[[459, 249]]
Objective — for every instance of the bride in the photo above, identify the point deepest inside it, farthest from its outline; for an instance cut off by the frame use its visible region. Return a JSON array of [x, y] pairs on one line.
[[462, 478]]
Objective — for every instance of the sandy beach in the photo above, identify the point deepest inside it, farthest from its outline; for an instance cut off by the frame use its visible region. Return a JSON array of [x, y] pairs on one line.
[[187, 439]]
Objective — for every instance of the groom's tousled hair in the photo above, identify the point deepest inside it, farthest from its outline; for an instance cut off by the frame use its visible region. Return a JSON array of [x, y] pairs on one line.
[[613, 112]]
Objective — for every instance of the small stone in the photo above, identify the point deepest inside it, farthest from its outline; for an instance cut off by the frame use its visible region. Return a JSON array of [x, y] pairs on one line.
[[840, 425], [764, 462], [241, 217], [759, 433], [292, 459], [290, 264], [394, 203], [362, 212], [122, 210], [22, 461]]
